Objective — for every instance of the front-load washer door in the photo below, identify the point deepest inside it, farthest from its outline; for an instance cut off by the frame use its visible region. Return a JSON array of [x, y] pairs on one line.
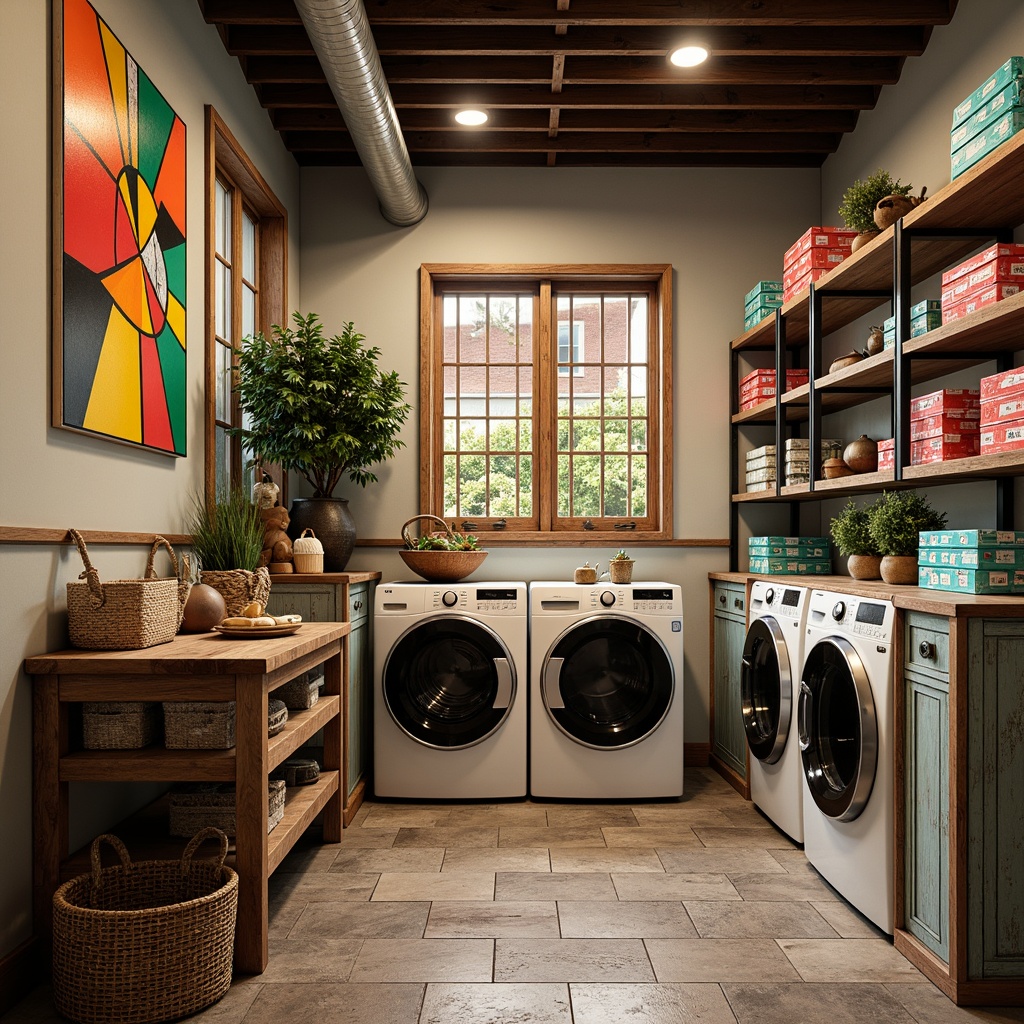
[[766, 689], [838, 728], [607, 682], [449, 682]]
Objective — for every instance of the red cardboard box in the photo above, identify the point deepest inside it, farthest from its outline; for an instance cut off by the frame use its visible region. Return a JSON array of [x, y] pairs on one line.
[[1001, 386], [815, 257], [943, 448], [963, 290], [951, 401], [943, 423], [1004, 409], [978, 300], [793, 286], [1003, 437], [758, 379], [1006, 269], [822, 237], [993, 252], [887, 453]]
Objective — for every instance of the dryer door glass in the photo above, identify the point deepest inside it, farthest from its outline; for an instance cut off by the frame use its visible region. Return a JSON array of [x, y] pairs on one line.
[[607, 682], [838, 729], [449, 682], [766, 689]]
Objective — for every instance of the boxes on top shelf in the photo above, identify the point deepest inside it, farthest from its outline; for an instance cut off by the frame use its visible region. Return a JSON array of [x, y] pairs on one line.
[[1009, 73], [756, 315], [791, 566], [763, 288], [971, 581], [979, 300], [970, 538], [793, 284], [989, 138], [787, 542], [1005, 250], [973, 558], [820, 238], [995, 106]]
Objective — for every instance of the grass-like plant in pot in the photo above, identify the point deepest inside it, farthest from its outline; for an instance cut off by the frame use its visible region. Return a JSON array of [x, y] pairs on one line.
[[850, 532], [896, 519], [227, 539], [857, 207], [321, 407]]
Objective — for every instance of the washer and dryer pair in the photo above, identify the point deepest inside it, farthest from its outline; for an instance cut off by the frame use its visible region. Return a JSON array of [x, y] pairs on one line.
[[817, 697], [465, 672]]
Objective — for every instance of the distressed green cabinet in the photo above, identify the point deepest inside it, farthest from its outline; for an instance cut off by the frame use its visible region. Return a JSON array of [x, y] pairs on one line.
[[342, 597], [961, 919], [728, 628]]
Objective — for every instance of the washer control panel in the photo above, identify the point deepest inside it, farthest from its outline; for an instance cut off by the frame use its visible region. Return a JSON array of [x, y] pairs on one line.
[[858, 616]]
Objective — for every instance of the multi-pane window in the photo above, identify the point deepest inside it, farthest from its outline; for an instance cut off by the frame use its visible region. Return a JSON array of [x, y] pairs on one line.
[[543, 399]]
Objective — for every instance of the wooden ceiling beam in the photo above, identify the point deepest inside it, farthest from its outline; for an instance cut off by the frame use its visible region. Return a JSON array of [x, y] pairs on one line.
[[322, 158], [250, 12]]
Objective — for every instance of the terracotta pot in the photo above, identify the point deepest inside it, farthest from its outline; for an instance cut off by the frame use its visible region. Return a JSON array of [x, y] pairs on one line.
[[862, 239], [843, 361], [862, 455], [889, 209], [900, 569], [865, 567], [876, 341], [835, 468]]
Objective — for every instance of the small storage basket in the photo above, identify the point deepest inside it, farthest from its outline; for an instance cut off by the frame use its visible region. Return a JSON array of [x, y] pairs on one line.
[[303, 691], [119, 725], [297, 771], [125, 615], [307, 552], [277, 716], [239, 587], [213, 805], [199, 725], [146, 941]]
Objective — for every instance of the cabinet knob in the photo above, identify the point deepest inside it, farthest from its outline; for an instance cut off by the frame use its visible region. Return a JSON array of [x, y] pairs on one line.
[[737, 602], [926, 650], [357, 605], [721, 598]]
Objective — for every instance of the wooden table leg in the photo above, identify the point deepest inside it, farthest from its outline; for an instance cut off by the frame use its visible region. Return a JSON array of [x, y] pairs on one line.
[[334, 682], [251, 858], [49, 802]]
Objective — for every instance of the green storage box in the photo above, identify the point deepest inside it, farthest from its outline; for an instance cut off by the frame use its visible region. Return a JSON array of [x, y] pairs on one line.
[[973, 558], [970, 538], [971, 581]]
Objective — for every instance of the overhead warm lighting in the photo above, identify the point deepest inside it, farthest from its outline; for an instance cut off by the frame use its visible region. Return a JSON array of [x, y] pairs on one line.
[[689, 56], [471, 117]]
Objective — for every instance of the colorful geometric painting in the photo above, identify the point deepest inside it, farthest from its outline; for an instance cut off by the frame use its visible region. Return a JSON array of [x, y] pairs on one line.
[[119, 354]]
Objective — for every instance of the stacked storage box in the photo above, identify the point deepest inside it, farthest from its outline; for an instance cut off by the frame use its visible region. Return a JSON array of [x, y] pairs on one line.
[[988, 277], [798, 458], [972, 561], [759, 385], [817, 251], [762, 300], [761, 474], [944, 425], [925, 316], [993, 113], [790, 556], [1002, 412]]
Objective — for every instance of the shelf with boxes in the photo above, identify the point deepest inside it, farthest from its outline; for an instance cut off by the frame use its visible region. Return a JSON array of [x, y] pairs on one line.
[[976, 211]]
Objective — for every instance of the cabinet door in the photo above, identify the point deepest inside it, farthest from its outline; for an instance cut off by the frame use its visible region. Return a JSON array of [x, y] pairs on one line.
[[315, 602], [729, 743], [360, 686]]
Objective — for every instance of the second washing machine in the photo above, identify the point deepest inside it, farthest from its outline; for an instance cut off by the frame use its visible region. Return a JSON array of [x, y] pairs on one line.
[[606, 700], [773, 653], [449, 708], [846, 731]]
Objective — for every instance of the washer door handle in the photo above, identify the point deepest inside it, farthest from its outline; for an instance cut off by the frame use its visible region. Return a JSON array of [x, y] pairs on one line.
[[552, 692], [504, 673], [804, 714]]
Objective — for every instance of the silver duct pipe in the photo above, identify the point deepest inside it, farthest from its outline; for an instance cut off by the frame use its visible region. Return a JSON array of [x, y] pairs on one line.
[[340, 33]]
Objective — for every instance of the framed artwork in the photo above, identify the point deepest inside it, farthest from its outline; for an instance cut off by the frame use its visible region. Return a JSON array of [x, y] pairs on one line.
[[119, 242]]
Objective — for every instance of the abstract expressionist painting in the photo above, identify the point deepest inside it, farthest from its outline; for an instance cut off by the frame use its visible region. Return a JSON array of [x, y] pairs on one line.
[[119, 249]]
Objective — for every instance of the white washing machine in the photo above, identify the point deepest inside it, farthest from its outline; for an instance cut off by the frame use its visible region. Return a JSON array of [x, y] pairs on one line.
[[606, 690], [450, 684], [845, 718], [773, 655]]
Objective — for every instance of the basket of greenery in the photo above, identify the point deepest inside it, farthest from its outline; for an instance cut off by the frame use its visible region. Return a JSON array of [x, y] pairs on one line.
[[227, 540], [441, 556], [850, 532], [858, 204], [895, 521]]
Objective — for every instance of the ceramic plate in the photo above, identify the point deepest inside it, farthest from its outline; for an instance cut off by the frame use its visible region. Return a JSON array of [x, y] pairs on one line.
[[258, 632]]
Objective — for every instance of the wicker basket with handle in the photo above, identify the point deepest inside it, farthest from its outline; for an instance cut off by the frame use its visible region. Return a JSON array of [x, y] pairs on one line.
[[124, 615], [239, 587], [145, 941], [438, 566]]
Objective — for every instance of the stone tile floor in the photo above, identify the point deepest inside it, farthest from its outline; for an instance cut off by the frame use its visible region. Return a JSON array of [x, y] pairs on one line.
[[551, 913]]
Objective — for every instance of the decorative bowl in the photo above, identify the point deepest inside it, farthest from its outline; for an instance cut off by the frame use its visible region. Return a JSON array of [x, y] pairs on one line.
[[833, 468], [843, 361], [443, 566]]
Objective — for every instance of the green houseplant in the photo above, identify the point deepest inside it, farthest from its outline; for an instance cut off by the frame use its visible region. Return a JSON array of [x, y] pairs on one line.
[[322, 407], [857, 207], [620, 567], [852, 536], [895, 521]]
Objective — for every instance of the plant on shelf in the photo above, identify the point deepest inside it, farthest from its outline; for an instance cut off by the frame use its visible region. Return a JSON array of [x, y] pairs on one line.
[[447, 542], [850, 532], [620, 567], [895, 520], [322, 407], [858, 204]]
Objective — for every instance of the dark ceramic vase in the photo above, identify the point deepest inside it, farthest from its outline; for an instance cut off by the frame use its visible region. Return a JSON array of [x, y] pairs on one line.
[[331, 523]]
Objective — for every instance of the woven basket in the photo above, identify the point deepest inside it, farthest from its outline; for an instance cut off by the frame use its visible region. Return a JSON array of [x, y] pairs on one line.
[[119, 725], [199, 724], [239, 587], [303, 691], [212, 804], [143, 942], [125, 615], [438, 566]]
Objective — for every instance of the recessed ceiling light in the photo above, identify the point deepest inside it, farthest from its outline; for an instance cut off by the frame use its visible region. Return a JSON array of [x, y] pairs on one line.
[[688, 56], [471, 117]]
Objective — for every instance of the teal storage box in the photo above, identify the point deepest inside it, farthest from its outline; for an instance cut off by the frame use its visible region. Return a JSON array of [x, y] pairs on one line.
[[987, 140], [971, 538], [792, 566], [788, 542], [766, 300], [972, 558], [971, 581], [753, 319], [1007, 74], [801, 551], [1003, 101], [762, 287]]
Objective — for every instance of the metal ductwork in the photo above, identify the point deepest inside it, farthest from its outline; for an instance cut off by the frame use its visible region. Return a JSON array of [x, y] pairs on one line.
[[340, 33]]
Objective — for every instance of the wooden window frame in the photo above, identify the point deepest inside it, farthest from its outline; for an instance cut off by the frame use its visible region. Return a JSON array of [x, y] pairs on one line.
[[551, 530], [225, 158]]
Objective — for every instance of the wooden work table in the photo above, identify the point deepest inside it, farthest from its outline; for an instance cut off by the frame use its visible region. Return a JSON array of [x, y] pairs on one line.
[[203, 667]]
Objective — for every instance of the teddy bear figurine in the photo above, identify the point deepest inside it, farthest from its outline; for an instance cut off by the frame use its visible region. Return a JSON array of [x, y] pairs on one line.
[[277, 545]]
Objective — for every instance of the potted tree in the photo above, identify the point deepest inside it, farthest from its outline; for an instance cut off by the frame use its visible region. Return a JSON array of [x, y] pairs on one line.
[[858, 204], [850, 532], [895, 521], [322, 407]]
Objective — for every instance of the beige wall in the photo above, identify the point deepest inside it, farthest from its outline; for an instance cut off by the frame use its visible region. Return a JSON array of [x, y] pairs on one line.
[[53, 478]]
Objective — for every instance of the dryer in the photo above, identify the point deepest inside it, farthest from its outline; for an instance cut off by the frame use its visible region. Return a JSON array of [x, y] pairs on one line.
[[846, 732], [773, 655], [606, 697], [450, 681]]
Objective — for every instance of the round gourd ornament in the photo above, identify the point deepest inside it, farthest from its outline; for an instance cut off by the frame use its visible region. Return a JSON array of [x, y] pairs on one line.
[[204, 609], [308, 552]]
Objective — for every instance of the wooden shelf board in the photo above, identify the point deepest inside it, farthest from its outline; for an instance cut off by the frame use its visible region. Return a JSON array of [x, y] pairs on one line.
[[300, 726], [764, 412], [996, 328], [999, 464], [760, 336], [303, 804], [150, 764]]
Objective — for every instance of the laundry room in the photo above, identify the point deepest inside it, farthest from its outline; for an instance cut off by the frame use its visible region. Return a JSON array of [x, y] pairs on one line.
[[539, 654]]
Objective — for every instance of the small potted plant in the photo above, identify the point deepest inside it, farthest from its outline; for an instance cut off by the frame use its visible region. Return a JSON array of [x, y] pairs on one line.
[[850, 532], [858, 204], [894, 523], [441, 556], [620, 567]]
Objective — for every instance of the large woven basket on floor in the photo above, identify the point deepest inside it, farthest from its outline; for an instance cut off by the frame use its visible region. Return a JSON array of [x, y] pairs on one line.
[[146, 941], [438, 566], [124, 615]]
